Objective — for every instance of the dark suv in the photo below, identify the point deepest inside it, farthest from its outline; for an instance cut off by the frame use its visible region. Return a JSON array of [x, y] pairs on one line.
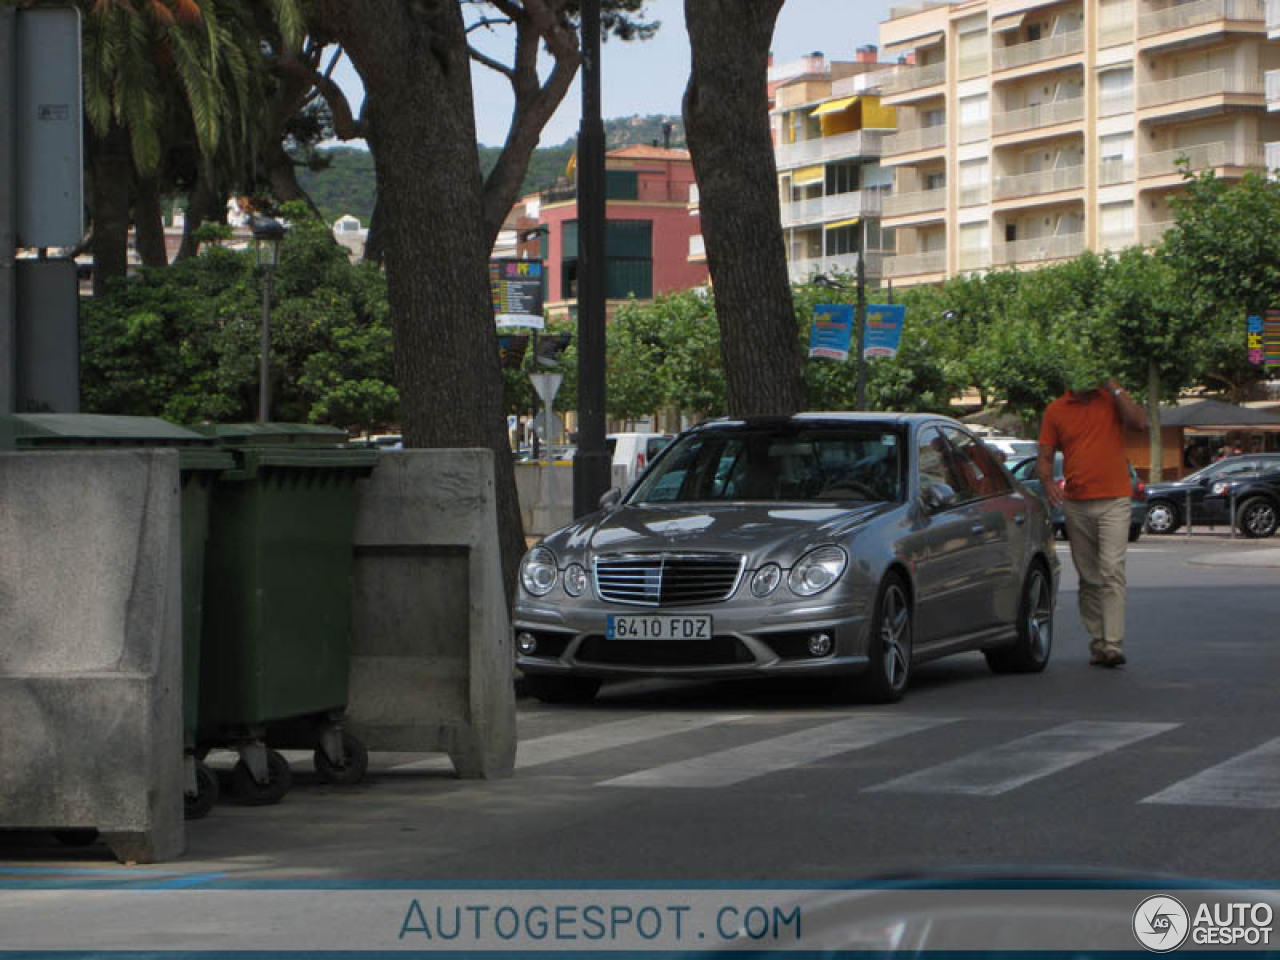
[[1168, 503], [1256, 497]]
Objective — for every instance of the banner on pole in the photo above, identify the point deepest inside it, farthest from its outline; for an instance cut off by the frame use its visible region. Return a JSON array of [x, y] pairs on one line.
[[1264, 339], [516, 287], [832, 331], [884, 329]]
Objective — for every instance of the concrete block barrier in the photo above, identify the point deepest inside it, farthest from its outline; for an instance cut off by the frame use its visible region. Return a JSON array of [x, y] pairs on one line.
[[431, 639], [91, 646]]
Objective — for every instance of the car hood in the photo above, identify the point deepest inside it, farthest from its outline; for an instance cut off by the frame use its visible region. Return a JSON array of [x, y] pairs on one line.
[[772, 531], [1169, 486]]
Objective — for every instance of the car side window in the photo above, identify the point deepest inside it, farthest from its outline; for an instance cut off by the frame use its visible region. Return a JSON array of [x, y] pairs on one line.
[[932, 453], [982, 472]]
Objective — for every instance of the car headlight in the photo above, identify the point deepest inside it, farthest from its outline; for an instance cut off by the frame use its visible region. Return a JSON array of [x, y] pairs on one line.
[[817, 570], [575, 580], [1219, 488], [538, 571], [766, 580]]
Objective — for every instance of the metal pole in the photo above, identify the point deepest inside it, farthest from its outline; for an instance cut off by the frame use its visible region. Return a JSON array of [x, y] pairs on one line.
[[860, 396], [1233, 513], [591, 462], [536, 369], [1188, 511], [264, 363], [8, 287]]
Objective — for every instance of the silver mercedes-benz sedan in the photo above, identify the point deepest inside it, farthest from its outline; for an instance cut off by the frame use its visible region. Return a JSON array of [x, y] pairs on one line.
[[851, 545]]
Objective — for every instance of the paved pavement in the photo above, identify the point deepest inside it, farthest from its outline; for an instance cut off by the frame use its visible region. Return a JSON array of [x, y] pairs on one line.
[[1170, 764]]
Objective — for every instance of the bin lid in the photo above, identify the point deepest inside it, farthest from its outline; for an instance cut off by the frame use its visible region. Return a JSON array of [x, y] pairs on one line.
[[337, 458], [34, 430], [272, 434], [205, 459]]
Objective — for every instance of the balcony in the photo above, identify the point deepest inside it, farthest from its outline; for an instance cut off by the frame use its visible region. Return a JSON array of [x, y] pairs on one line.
[[1212, 83], [910, 141], [1202, 155], [1040, 115], [916, 201], [1112, 34], [1112, 171], [1021, 54], [1150, 234], [1115, 240], [1273, 89], [907, 79], [1185, 15], [837, 206], [976, 259], [973, 66], [1273, 156], [975, 195], [912, 264], [801, 270], [1038, 250], [859, 143], [1273, 19], [1040, 182]]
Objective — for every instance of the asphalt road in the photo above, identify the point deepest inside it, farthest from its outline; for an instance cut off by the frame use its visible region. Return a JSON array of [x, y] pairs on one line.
[[1170, 765]]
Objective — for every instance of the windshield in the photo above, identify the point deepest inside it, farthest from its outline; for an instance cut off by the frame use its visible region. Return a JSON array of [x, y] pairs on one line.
[[778, 464]]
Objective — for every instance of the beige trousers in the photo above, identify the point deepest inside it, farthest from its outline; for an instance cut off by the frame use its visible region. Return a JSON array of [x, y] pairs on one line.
[[1099, 535]]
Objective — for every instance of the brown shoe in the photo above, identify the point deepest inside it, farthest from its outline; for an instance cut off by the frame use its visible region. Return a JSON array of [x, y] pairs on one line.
[[1097, 655], [1113, 658]]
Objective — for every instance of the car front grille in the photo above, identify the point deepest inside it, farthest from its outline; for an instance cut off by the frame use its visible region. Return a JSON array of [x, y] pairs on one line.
[[668, 579], [711, 652]]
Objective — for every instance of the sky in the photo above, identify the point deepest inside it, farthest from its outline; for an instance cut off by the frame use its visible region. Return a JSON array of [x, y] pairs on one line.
[[649, 77]]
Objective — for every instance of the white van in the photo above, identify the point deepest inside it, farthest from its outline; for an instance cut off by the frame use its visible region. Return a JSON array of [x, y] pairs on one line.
[[630, 454]]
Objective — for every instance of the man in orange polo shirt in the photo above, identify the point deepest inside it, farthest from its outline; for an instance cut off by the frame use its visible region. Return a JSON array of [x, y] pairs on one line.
[[1087, 425]]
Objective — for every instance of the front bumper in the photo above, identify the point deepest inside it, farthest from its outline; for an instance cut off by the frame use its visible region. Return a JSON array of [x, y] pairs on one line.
[[745, 642]]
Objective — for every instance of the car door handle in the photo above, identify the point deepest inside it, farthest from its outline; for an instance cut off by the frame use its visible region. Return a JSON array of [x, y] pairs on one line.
[[1019, 518]]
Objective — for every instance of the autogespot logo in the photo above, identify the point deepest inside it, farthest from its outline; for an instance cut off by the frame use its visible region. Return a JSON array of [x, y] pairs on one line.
[[1161, 923]]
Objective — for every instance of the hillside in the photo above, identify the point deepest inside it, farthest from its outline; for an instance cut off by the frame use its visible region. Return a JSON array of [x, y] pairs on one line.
[[347, 185]]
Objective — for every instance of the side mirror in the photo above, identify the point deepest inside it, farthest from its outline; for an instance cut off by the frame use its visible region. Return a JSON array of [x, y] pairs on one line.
[[937, 497], [610, 498]]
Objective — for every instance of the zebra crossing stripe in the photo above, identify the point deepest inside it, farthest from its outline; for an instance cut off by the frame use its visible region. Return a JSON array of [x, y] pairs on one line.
[[595, 739], [997, 770], [1250, 780], [727, 767]]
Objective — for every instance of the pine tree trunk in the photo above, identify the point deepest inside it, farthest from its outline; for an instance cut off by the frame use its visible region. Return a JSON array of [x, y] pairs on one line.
[[202, 207], [111, 168], [726, 117], [1156, 472], [413, 60], [148, 221]]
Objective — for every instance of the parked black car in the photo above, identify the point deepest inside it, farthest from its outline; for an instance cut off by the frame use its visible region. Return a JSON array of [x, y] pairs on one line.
[[1257, 501], [1168, 503], [1024, 471]]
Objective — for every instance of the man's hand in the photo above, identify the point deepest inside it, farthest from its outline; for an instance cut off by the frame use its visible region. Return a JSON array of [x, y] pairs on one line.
[[1044, 470], [1132, 414]]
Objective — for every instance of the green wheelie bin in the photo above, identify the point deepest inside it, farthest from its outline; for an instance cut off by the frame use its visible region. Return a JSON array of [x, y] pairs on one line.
[[199, 464], [277, 626]]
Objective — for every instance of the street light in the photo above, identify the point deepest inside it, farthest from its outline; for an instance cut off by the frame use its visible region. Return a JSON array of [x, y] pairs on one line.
[[267, 234]]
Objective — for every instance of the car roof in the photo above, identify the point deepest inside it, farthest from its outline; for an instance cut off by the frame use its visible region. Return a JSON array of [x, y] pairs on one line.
[[829, 417]]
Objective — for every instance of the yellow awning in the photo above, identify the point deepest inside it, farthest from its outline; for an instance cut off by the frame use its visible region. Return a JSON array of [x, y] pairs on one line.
[[807, 175], [1009, 21], [834, 106], [851, 222]]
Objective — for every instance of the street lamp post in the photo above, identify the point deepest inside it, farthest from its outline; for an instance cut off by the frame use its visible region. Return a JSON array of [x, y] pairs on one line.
[[267, 234], [860, 391]]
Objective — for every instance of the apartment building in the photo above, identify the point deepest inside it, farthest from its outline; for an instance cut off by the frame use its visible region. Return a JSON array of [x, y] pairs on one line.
[[828, 126], [1029, 131]]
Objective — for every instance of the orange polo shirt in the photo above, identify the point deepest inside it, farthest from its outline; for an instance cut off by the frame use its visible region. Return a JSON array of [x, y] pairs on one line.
[[1089, 432]]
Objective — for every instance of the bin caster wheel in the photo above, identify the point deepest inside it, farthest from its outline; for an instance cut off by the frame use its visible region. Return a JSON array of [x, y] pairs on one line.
[[249, 791], [207, 790], [77, 837], [353, 768]]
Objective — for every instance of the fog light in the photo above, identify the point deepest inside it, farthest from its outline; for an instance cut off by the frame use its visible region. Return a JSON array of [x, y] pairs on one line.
[[819, 644], [527, 644]]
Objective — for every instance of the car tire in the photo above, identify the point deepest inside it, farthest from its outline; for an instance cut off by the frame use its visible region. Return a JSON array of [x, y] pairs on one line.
[[1031, 650], [889, 645], [1257, 518], [563, 689], [1162, 517], [1135, 531]]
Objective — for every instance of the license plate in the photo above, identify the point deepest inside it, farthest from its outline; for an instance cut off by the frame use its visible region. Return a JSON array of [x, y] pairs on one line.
[[659, 627]]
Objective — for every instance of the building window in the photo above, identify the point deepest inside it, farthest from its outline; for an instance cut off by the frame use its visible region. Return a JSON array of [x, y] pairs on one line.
[[628, 265], [843, 178], [621, 185]]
